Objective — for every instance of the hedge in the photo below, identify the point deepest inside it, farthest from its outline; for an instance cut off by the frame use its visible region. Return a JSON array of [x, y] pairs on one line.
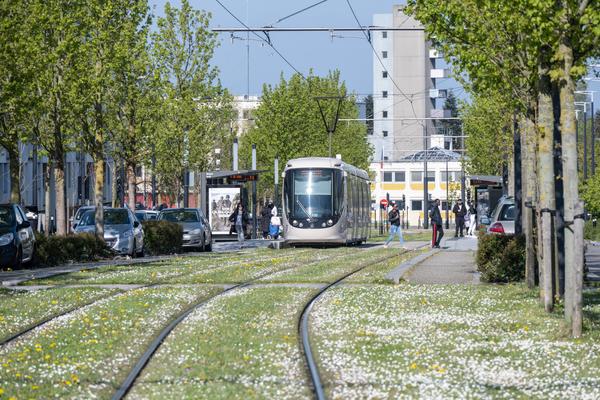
[[162, 237], [501, 258], [55, 250]]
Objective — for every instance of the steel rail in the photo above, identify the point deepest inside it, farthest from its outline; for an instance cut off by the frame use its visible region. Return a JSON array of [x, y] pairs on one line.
[[137, 369], [303, 327]]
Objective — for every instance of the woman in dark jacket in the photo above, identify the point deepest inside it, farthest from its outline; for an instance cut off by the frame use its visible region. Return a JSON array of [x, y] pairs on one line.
[[265, 218], [239, 219]]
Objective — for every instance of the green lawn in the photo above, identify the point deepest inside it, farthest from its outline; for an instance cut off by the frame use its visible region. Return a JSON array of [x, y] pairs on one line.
[[411, 341]]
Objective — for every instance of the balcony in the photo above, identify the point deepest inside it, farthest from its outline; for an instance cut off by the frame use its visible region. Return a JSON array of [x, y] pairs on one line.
[[438, 93], [438, 73]]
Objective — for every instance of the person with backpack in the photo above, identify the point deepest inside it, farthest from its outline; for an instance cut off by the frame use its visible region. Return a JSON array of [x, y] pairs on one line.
[[436, 224], [275, 226], [395, 229]]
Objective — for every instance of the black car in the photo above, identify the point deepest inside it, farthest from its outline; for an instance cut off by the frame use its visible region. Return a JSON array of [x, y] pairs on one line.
[[17, 241]]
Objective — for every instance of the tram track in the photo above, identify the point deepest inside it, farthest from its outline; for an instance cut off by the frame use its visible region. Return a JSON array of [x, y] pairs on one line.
[[73, 309], [139, 366], [303, 326]]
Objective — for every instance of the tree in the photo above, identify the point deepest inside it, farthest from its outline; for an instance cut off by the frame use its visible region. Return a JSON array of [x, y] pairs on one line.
[[452, 127], [289, 125], [192, 97], [486, 123], [369, 113]]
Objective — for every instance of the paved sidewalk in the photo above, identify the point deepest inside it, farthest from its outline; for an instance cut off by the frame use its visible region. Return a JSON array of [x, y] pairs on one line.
[[454, 263]]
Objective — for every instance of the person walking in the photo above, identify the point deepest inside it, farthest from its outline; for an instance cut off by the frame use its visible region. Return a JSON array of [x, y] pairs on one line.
[[436, 224], [239, 219], [472, 219], [265, 219], [395, 229], [459, 211]]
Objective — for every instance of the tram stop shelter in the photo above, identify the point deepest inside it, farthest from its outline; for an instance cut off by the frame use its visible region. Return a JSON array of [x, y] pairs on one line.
[[221, 191], [488, 190]]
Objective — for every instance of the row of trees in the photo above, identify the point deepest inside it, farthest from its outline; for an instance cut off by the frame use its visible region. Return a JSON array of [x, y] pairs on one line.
[[523, 59], [107, 78]]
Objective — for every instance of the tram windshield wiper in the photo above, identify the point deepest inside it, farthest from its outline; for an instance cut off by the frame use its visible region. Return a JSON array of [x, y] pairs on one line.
[[303, 209]]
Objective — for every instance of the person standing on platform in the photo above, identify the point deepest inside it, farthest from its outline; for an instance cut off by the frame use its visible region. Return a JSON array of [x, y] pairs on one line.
[[472, 219], [459, 211], [239, 219], [265, 219], [436, 224]]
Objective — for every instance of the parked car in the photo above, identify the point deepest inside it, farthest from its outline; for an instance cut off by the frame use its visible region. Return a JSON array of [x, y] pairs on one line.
[[146, 215], [502, 219], [17, 241], [122, 230], [196, 229], [78, 214]]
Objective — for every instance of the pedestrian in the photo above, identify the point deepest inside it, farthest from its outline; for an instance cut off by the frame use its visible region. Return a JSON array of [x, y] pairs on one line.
[[275, 224], [239, 219], [459, 211], [395, 229], [472, 219], [436, 224], [265, 219]]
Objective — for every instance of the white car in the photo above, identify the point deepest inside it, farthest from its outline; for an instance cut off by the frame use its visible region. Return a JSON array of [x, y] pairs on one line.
[[122, 230], [502, 219]]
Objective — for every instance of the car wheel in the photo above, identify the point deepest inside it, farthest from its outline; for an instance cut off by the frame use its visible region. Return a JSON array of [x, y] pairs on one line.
[[208, 246], [133, 252], [203, 245], [18, 262], [142, 252]]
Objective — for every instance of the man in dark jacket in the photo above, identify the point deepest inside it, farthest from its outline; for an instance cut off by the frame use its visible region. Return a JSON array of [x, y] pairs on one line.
[[265, 219], [395, 229], [436, 224], [459, 211]]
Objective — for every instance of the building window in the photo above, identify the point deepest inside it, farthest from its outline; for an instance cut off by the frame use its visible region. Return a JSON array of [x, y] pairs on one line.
[[416, 205], [384, 54], [384, 34], [451, 174], [138, 172], [385, 158], [431, 176], [416, 176], [387, 176], [385, 133], [384, 74], [384, 94], [384, 114], [399, 176]]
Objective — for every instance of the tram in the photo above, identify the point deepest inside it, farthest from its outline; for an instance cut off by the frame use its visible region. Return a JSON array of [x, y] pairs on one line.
[[325, 201]]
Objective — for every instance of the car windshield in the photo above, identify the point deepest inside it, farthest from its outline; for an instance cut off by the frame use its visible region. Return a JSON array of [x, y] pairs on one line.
[[180, 216], [111, 217], [140, 215], [313, 193], [508, 213], [7, 217], [80, 212]]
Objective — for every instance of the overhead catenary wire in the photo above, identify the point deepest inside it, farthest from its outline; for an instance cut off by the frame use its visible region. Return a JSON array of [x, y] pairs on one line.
[[298, 12], [263, 39]]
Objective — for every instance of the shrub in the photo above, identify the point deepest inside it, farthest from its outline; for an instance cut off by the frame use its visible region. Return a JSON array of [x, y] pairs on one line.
[[591, 232], [501, 258], [83, 247], [162, 237]]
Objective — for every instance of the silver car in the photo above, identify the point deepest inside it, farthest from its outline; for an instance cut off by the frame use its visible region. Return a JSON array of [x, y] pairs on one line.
[[502, 219], [77, 217], [196, 229], [122, 231], [146, 215]]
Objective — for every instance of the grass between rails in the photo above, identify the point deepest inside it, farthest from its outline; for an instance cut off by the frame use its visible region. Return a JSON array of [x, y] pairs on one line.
[[376, 273], [242, 345], [165, 271], [328, 270], [20, 310], [450, 341], [87, 353], [413, 236]]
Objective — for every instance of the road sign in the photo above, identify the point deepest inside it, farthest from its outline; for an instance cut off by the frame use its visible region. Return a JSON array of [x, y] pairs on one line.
[[384, 203]]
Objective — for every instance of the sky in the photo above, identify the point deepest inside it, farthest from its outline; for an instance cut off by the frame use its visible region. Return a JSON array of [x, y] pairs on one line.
[[306, 51]]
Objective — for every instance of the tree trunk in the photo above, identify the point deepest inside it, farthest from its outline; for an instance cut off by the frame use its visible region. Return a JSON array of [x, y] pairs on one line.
[[574, 252], [529, 195], [131, 186], [99, 195], [59, 187], [546, 188], [47, 201], [15, 175], [113, 179]]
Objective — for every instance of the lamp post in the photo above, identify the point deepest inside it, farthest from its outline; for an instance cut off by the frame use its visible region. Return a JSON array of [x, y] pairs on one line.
[[447, 196]]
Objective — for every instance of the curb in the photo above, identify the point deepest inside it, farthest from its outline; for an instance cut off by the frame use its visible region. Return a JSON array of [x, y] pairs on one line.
[[398, 273]]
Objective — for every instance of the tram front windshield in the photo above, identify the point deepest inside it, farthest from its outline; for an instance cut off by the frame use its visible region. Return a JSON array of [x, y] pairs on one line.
[[313, 194]]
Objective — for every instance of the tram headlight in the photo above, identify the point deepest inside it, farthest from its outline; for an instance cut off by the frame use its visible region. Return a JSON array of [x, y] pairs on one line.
[[295, 223], [330, 222], [323, 225], [301, 225]]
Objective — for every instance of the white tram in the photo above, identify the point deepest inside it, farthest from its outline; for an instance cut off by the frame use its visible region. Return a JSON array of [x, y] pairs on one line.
[[325, 201]]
